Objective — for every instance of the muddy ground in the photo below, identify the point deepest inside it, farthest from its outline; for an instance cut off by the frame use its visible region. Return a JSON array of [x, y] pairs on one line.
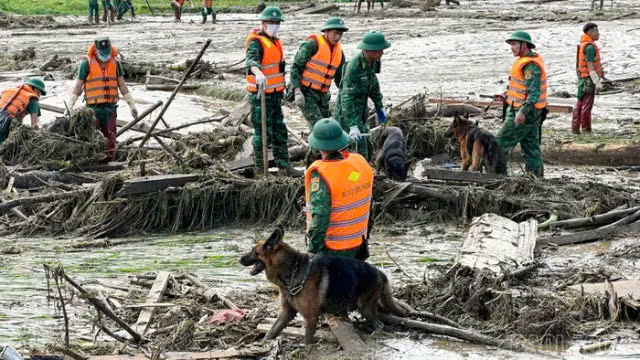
[[449, 52]]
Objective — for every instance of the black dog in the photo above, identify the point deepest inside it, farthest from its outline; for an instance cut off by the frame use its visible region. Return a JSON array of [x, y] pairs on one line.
[[392, 158]]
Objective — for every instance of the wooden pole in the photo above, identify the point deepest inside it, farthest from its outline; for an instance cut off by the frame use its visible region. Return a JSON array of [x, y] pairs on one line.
[[41, 198], [150, 9], [175, 91], [139, 118], [265, 152]]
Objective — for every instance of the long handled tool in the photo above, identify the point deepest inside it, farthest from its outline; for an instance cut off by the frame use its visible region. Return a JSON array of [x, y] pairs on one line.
[[265, 152]]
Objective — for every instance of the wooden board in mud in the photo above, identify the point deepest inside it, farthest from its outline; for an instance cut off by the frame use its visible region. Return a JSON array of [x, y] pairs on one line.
[[622, 288], [466, 176], [148, 184]]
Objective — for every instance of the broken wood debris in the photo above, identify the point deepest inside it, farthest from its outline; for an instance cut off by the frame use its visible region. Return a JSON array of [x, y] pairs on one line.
[[551, 107], [148, 184]]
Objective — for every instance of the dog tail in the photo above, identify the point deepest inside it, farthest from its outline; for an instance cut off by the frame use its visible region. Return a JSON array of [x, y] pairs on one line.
[[497, 162], [391, 305]]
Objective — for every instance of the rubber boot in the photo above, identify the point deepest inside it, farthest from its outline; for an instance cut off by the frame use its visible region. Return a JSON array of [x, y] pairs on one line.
[[97, 19], [104, 15], [290, 171], [133, 12], [176, 13], [90, 20], [113, 16], [213, 18]]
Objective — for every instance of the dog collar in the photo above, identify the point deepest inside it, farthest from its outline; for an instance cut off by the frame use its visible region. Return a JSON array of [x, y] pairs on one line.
[[295, 289]]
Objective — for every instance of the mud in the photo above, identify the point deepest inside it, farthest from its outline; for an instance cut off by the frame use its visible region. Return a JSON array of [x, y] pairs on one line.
[[448, 51]]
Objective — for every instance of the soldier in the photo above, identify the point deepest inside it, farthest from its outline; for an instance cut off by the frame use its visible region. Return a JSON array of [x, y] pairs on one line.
[[338, 192], [101, 76], [526, 101], [359, 82], [93, 12], [108, 10], [177, 9], [122, 6], [319, 60], [207, 9], [265, 71], [590, 78], [16, 103]]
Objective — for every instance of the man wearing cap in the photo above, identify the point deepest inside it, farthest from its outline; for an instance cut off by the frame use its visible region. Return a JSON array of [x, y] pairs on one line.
[[359, 83], [207, 9], [177, 9], [319, 60], [590, 77], [338, 191], [101, 76], [526, 101], [265, 72], [16, 103]]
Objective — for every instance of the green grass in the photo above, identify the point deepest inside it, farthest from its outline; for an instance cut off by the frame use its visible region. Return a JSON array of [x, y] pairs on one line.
[[81, 7], [424, 260]]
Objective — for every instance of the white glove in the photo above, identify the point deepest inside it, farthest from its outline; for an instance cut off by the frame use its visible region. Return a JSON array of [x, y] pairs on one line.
[[299, 98], [597, 81], [71, 101], [354, 133], [132, 105]]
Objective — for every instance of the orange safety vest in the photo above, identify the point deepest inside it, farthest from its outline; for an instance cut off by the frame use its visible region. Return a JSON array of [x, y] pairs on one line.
[[581, 58], [101, 86], [321, 68], [350, 182], [17, 108], [272, 63], [180, 2], [517, 91]]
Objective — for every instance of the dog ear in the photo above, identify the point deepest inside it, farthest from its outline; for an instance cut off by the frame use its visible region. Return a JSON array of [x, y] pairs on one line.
[[274, 239]]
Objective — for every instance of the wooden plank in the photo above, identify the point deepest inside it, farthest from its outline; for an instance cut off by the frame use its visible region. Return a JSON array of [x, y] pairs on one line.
[[155, 295], [298, 332], [220, 354], [319, 9], [467, 176], [110, 166], [140, 127], [345, 333], [153, 183], [622, 288], [550, 107], [247, 163], [150, 305], [590, 235]]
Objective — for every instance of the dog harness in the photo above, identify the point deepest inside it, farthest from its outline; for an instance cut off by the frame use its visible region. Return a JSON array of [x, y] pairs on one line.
[[517, 89], [272, 64], [581, 58], [350, 183], [321, 68], [101, 85], [294, 289]]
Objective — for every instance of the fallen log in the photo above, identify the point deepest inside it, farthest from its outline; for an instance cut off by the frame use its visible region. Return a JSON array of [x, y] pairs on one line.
[[591, 221], [323, 9], [27, 201], [457, 333], [590, 154], [239, 113], [218, 354], [550, 107], [209, 294], [37, 178], [49, 62], [345, 333], [154, 183], [624, 221], [603, 345], [465, 176], [590, 235]]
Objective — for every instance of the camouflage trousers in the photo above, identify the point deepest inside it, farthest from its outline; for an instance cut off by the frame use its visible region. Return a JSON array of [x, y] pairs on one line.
[[276, 130], [316, 106], [528, 136]]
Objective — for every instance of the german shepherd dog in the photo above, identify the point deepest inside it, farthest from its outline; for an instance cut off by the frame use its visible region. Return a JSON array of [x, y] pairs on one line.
[[392, 158], [316, 284], [369, 6], [478, 147]]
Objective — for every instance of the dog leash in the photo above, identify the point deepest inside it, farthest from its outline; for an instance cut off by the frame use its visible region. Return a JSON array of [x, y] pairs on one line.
[[295, 290]]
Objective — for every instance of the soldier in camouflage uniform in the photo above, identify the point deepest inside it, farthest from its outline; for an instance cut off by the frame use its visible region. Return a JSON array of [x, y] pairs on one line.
[[359, 83], [525, 101], [345, 233], [311, 97], [265, 71]]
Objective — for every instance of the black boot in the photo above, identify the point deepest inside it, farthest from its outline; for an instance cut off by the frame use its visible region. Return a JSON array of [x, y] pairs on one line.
[[290, 172]]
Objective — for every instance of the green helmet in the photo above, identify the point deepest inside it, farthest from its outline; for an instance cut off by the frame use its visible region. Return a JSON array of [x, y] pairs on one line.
[[103, 48], [38, 84], [522, 36], [374, 40], [334, 23], [272, 13], [327, 135]]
